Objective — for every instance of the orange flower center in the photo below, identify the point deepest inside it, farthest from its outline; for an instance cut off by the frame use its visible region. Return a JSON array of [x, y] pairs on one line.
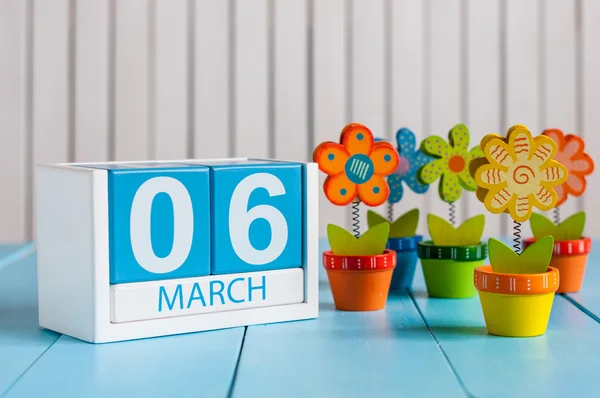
[[456, 163]]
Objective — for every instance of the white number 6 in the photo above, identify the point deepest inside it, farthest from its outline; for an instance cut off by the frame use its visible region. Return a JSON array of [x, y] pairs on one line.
[[240, 219]]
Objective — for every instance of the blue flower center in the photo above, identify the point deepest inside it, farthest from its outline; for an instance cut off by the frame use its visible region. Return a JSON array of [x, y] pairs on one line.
[[359, 169]]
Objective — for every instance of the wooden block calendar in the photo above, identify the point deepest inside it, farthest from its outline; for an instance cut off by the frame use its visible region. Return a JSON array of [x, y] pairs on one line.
[[130, 250]]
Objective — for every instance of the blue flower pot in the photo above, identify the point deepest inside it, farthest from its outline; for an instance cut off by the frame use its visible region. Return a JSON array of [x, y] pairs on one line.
[[406, 263]]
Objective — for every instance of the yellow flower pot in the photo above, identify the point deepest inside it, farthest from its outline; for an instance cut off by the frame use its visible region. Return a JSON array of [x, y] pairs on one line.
[[516, 305]]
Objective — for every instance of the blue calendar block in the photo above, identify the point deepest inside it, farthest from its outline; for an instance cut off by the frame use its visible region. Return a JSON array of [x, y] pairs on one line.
[[257, 219], [159, 221]]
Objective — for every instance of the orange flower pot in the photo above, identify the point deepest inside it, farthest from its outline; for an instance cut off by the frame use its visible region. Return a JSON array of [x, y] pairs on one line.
[[360, 283], [516, 305], [570, 258]]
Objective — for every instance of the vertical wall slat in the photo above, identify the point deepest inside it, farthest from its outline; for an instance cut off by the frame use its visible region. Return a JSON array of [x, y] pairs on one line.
[[483, 95], [92, 81], [368, 79], [51, 71], [330, 92], [252, 78], [590, 31], [132, 80], [560, 75], [13, 120], [523, 79], [291, 106], [445, 66], [407, 44], [211, 80], [523, 65], [368, 76], [51, 81], [171, 79]]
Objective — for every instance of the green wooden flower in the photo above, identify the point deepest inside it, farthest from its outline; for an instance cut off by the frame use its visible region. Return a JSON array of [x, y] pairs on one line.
[[452, 163]]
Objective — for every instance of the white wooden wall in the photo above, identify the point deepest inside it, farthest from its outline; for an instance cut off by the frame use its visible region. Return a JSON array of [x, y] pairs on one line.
[[93, 80]]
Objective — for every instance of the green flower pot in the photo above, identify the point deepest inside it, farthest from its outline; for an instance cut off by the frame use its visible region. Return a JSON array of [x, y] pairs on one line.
[[449, 270]]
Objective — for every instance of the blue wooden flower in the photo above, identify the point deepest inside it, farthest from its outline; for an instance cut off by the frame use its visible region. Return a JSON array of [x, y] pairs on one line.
[[411, 160]]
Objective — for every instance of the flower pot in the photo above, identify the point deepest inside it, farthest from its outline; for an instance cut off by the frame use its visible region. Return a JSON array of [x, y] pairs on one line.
[[516, 305], [570, 258], [406, 261], [448, 270], [360, 283]]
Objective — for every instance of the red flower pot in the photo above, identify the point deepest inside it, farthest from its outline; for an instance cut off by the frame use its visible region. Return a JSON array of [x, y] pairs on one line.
[[360, 283]]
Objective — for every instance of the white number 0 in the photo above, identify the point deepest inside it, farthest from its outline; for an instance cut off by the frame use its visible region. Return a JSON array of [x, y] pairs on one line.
[[240, 219], [183, 228]]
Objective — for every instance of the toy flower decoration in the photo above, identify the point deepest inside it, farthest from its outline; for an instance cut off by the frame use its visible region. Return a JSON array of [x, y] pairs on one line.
[[452, 163], [578, 164], [518, 173], [356, 167], [411, 161]]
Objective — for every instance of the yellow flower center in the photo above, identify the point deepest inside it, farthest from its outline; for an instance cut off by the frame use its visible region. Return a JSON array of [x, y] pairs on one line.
[[523, 179], [456, 164]]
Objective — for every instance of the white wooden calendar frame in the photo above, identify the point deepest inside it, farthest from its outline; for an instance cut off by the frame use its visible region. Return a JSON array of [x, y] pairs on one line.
[[73, 261]]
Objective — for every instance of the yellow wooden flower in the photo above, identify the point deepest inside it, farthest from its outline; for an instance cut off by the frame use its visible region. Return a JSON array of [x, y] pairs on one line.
[[518, 173]]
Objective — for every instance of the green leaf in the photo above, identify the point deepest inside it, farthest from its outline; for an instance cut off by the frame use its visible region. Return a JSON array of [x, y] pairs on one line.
[[441, 231], [375, 219], [340, 240], [444, 234], [404, 226], [371, 243], [570, 229], [541, 226], [536, 258], [471, 231], [502, 258], [533, 260]]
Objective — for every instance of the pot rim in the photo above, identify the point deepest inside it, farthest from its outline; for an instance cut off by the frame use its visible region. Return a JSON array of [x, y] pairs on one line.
[[572, 247], [428, 251], [360, 271], [404, 244], [342, 262], [487, 280]]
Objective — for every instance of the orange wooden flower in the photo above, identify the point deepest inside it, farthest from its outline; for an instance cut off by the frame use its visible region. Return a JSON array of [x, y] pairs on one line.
[[356, 167], [579, 164]]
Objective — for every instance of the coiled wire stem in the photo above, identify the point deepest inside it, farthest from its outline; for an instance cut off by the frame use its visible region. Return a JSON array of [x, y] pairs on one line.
[[355, 220], [517, 237], [390, 212], [556, 211], [452, 213]]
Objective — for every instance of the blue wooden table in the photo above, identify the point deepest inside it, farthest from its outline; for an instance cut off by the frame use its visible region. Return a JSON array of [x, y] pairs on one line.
[[416, 347]]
